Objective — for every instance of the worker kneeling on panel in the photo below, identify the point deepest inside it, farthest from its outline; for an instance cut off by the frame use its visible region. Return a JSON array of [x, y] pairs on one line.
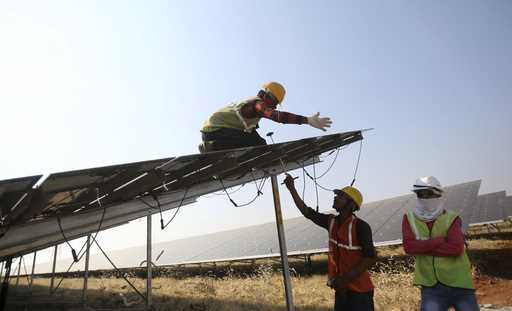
[[351, 250], [234, 126], [434, 237]]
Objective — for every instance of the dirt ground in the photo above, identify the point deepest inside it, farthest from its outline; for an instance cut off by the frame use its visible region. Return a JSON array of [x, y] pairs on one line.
[[493, 275], [493, 290]]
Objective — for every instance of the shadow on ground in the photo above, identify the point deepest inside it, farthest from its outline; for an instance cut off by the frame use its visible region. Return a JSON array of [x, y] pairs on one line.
[[69, 300]]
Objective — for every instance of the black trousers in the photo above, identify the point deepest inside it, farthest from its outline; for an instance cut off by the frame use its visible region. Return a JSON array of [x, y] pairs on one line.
[[228, 138], [353, 301]]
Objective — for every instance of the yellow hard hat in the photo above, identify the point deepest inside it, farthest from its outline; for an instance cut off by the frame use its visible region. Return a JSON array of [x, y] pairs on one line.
[[353, 193], [276, 89]]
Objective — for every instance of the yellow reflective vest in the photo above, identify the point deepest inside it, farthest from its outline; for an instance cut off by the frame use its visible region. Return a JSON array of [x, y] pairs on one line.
[[450, 271], [231, 117]]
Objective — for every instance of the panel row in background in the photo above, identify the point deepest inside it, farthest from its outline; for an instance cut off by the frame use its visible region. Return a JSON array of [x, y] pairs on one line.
[[385, 218]]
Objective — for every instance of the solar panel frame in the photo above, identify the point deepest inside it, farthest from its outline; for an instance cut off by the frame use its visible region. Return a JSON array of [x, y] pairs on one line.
[[179, 170]]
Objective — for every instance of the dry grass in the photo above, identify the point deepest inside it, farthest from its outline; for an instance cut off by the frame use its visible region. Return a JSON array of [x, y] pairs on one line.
[[394, 291], [263, 289]]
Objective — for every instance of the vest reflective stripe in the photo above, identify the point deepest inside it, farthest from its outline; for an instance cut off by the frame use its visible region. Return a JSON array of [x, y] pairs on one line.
[[414, 228], [345, 253], [338, 244], [450, 271], [231, 117]]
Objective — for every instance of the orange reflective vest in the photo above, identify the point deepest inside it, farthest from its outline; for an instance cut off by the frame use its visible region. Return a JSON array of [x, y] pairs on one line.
[[345, 253]]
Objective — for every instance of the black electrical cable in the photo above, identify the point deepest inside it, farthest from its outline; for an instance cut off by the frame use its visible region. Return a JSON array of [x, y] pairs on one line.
[[330, 166], [357, 165], [303, 182], [119, 271], [80, 254], [258, 193], [73, 252], [176, 213], [316, 185], [311, 177], [223, 193]]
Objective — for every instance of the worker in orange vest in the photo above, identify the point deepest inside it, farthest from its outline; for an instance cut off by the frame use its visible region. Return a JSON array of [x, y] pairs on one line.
[[351, 250]]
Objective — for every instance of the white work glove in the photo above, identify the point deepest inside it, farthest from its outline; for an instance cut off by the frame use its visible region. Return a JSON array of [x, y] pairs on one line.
[[319, 123]]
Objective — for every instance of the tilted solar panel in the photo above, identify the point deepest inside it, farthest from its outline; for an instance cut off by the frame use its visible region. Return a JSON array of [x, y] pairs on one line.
[[489, 208], [507, 207], [121, 193], [14, 197]]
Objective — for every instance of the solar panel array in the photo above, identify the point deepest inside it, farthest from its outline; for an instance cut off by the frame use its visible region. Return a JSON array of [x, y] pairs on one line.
[[81, 197], [489, 208], [302, 235], [507, 207]]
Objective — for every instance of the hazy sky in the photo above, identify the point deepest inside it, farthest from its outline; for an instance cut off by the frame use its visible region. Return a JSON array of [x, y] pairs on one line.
[[86, 84]]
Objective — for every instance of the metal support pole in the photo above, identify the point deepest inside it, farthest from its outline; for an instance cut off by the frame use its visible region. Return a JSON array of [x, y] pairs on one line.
[[19, 271], [5, 284], [86, 270], [53, 269], [148, 262], [282, 245], [32, 274], [2, 270]]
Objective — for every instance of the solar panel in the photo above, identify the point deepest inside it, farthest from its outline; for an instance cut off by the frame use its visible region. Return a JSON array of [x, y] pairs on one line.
[[507, 207], [14, 195], [302, 235], [81, 197], [489, 208]]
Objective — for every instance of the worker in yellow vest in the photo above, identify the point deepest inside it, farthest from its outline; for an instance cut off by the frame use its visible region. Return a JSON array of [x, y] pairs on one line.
[[234, 126], [351, 250], [434, 237]]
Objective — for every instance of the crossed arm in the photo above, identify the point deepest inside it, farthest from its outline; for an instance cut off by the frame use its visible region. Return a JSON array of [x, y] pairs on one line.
[[450, 246]]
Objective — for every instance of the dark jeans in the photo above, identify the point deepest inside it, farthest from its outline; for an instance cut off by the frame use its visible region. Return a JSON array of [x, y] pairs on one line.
[[227, 138], [441, 297], [353, 301]]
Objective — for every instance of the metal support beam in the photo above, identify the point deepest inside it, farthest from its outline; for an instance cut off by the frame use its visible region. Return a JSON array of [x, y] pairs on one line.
[[5, 284], [32, 273], [19, 271], [148, 262], [2, 269], [282, 245], [86, 270], [53, 269]]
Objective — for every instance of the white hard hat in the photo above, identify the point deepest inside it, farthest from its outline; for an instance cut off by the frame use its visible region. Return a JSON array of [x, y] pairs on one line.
[[427, 182]]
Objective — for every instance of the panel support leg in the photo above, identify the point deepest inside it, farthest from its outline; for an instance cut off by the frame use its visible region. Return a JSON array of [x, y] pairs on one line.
[[282, 245], [32, 273], [86, 270], [149, 262], [53, 268], [19, 271]]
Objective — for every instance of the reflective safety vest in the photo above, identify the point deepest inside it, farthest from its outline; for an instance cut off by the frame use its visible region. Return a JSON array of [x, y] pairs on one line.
[[450, 271], [345, 253], [231, 117]]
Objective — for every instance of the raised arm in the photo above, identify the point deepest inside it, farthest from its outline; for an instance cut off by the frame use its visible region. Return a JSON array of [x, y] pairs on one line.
[[320, 219]]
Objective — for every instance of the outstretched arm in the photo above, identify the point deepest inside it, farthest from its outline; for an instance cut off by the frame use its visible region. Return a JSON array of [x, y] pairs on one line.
[[262, 110]]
